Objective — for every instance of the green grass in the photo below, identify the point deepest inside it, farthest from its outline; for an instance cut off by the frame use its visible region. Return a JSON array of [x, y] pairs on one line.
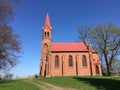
[[85, 83], [80, 83], [17, 85]]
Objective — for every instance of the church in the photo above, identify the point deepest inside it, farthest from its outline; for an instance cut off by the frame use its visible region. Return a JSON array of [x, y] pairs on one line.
[[68, 58]]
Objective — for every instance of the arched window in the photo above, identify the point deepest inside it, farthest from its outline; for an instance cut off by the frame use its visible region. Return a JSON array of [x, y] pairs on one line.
[[56, 61], [70, 61], [47, 34], [84, 60], [45, 48], [97, 70]]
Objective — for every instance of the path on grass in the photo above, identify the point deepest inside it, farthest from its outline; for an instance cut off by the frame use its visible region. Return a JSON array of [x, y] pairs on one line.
[[47, 86]]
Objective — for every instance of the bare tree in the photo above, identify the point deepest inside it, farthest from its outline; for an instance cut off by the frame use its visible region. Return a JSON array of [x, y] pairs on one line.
[[83, 33], [84, 36], [6, 11], [9, 47], [106, 40], [9, 41]]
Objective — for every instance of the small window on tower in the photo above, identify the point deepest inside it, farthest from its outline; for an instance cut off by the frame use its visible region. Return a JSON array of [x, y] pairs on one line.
[[45, 48], [47, 34]]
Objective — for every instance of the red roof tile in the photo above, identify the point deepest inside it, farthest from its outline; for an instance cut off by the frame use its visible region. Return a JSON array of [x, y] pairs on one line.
[[69, 47]]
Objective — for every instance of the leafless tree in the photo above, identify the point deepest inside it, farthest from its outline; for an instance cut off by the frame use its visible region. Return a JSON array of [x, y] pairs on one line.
[[106, 40], [9, 41]]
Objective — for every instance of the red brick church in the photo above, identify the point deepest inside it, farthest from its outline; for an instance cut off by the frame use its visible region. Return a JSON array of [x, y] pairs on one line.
[[68, 58]]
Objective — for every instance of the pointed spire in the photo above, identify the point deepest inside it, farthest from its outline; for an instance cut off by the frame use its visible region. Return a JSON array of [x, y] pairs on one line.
[[47, 22]]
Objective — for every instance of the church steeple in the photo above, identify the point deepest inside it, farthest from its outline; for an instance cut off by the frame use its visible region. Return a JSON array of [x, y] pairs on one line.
[[47, 29], [46, 47], [47, 23]]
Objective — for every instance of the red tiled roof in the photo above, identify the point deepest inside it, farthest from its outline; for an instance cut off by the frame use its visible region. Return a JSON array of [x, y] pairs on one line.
[[69, 47]]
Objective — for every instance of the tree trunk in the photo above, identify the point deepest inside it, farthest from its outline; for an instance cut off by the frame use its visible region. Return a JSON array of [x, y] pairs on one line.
[[107, 65], [108, 69]]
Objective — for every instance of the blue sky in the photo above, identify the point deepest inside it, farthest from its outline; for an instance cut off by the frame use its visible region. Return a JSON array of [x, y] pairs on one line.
[[65, 17]]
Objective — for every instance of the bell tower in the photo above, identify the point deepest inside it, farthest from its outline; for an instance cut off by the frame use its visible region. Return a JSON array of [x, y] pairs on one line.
[[47, 29], [46, 48]]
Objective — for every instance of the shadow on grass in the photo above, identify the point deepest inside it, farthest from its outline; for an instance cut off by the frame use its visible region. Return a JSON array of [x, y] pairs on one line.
[[101, 83], [5, 81]]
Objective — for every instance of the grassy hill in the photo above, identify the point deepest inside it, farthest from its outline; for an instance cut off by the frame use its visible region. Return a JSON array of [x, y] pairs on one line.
[[85, 83], [80, 83], [17, 85]]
